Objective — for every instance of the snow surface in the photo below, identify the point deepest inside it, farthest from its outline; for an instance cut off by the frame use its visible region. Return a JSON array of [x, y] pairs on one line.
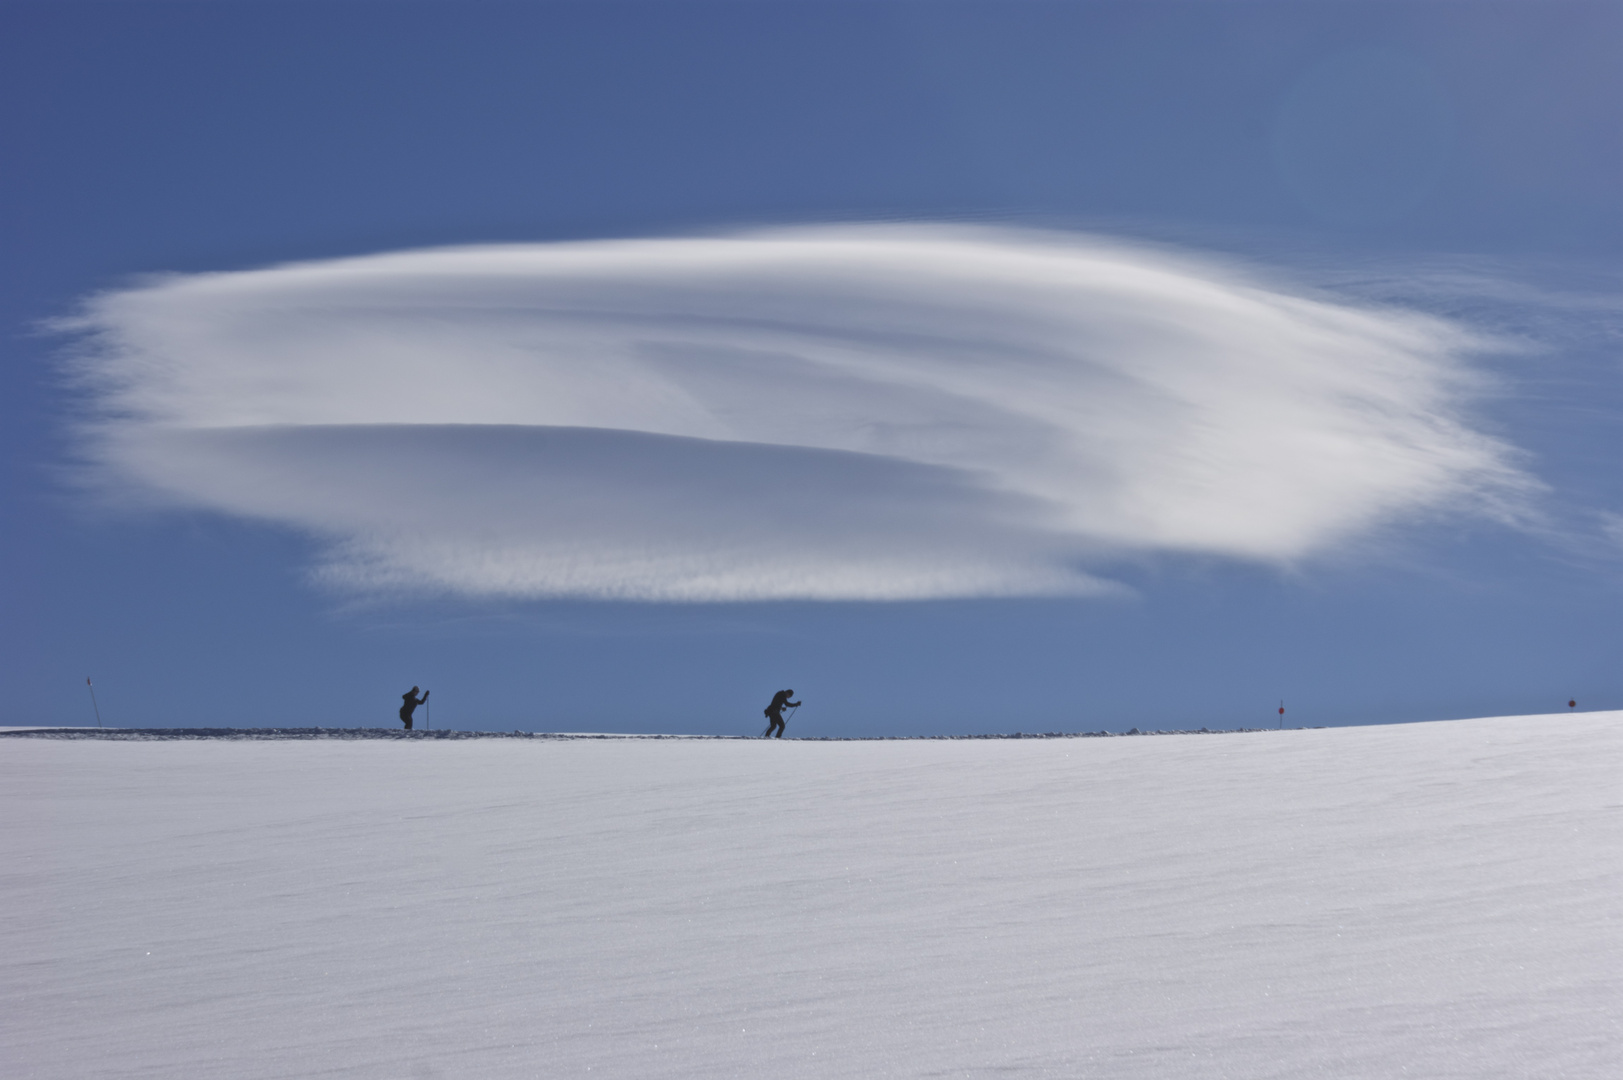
[[1428, 900]]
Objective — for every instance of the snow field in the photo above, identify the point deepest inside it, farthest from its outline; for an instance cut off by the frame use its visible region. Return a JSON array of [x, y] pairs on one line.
[[1430, 900]]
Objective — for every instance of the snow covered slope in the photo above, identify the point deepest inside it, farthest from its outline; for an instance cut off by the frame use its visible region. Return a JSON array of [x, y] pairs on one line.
[[1431, 900]]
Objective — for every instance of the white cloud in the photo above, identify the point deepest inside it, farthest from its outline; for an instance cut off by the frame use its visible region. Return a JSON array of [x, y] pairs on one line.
[[835, 413]]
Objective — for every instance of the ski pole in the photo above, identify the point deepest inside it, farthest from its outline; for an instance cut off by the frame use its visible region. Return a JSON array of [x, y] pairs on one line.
[[93, 704]]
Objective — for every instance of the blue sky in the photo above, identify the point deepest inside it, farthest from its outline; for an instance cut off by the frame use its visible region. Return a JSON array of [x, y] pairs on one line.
[[968, 367]]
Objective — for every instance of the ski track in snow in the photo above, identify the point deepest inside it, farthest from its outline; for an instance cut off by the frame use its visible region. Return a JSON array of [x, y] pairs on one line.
[[1431, 900]]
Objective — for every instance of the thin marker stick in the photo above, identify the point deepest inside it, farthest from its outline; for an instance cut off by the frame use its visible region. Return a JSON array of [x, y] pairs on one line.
[[93, 704]]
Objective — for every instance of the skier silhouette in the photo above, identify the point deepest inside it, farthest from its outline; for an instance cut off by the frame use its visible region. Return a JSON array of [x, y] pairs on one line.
[[408, 705], [774, 712]]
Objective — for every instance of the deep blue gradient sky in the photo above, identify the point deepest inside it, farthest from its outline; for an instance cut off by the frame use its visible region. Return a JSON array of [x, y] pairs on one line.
[[1366, 146]]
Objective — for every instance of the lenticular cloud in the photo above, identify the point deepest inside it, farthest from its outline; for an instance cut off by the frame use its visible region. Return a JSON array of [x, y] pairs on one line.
[[827, 413]]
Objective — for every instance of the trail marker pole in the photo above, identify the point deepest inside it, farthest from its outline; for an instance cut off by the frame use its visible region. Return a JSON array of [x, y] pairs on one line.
[[1281, 716], [93, 704]]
